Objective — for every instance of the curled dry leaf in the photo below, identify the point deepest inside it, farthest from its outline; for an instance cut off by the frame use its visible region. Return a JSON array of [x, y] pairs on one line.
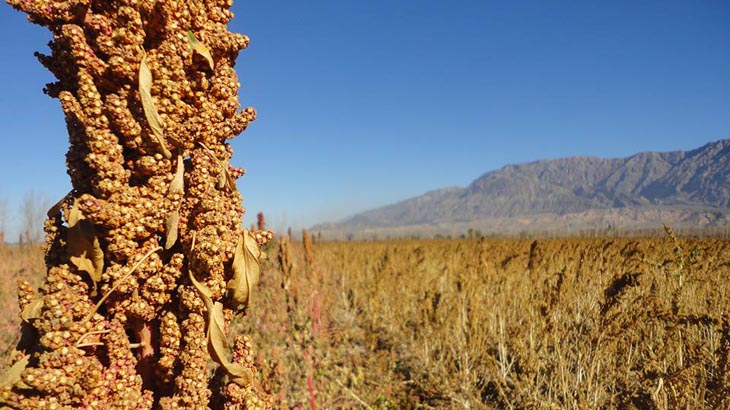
[[12, 376], [225, 180], [218, 347], [171, 229], [246, 270], [32, 310], [150, 112], [217, 343], [222, 180], [84, 248], [56, 208], [177, 185], [200, 48]]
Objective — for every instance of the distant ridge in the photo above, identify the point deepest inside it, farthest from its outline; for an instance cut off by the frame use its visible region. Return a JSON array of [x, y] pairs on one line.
[[681, 188]]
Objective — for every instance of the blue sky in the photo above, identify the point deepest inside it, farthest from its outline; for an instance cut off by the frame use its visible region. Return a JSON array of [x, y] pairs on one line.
[[364, 103]]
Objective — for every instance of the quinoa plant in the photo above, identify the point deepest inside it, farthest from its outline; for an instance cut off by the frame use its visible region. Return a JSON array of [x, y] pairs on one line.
[[147, 263]]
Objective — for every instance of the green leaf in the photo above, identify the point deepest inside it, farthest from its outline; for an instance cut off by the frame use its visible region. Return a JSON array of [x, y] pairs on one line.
[[246, 270], [150, 112], [217, 343], [200, 48]]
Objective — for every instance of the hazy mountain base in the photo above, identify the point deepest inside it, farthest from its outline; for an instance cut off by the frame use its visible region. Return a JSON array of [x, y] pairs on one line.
[[624, 221]]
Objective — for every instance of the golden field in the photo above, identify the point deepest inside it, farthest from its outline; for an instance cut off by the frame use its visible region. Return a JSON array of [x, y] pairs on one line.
[[481, 323]]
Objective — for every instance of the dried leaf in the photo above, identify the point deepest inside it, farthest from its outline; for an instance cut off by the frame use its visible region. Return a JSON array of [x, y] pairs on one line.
[[12, 376], [200, 48], [218, 347], [246, 270], [171, 229], [150, 112], [56, 208], [204, 291], [222, 180], [177, 185], [84, 248], [225, 179], [217, 343], [74, 215], [32, 310]]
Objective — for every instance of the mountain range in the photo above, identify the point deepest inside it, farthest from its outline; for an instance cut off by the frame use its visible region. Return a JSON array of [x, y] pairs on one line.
[[643, 191]]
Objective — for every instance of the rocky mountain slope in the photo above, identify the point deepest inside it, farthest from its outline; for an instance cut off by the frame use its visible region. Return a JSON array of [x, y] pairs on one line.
[[681, 187]]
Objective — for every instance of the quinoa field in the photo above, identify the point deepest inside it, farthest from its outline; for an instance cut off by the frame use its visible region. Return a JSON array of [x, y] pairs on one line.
[[567, 323]]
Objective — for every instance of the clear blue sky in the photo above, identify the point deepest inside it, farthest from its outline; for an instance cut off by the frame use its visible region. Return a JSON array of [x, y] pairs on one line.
[[363, 103]]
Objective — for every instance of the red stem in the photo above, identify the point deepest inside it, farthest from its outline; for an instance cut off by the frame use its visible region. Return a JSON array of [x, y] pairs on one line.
[[310, 381]]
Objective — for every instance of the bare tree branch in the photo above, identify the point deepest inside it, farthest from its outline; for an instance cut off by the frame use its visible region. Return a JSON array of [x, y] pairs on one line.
[[32, 211]]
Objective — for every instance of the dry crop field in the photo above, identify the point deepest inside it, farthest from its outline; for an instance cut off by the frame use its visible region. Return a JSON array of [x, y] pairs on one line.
[[490, 323]]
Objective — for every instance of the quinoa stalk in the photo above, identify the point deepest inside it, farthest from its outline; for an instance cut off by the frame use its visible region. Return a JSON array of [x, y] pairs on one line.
[[145, 253]]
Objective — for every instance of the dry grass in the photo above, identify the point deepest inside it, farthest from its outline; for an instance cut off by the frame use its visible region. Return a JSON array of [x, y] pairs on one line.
[[16, 262], [547, 324]]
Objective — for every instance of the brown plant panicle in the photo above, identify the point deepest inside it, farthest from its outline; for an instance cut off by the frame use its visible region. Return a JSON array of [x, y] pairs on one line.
[[444, 324], [286, 265], [260, 221], [452, 324], [308, 250], [150, 98]]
